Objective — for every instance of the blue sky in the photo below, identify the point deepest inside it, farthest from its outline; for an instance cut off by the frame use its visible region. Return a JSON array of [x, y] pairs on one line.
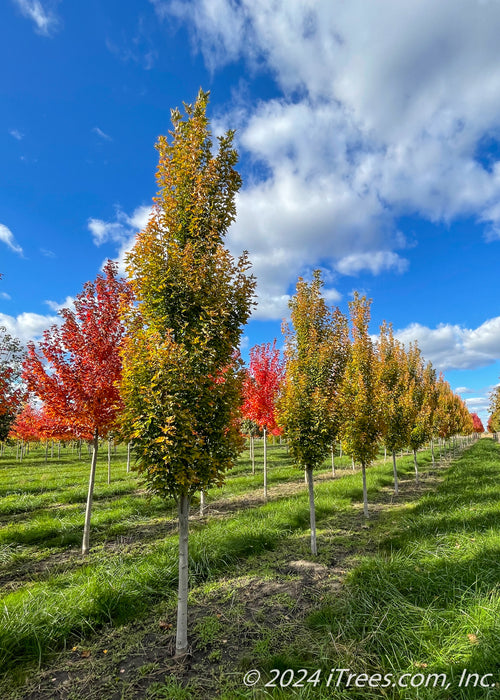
[[369, 141]]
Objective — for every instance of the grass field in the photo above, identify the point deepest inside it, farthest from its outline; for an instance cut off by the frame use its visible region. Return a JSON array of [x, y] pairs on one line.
[[413, 590]]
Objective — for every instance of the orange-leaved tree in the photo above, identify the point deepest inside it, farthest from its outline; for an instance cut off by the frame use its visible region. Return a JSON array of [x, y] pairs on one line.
[[78, 371], [261, 390], [182, 376], [363, 393], [316, 347]]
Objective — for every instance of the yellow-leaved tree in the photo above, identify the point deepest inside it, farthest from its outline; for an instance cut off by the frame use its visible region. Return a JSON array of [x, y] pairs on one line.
[[363, 393], [182, 376], [316, 349], [394, 378]]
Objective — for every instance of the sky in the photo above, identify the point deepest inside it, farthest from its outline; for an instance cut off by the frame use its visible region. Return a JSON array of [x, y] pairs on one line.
[[369, 143]]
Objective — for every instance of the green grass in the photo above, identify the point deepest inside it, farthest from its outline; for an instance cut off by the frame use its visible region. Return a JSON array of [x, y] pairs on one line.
[[435, 574]]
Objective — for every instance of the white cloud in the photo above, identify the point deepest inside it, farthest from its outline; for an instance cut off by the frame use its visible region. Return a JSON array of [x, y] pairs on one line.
[[379, 118], [66, 304], [453, 347], [101, 134], [122, 230], [44, 18], [27, 326], [7, 237], [4, 295], [15, 133], [376, 262]]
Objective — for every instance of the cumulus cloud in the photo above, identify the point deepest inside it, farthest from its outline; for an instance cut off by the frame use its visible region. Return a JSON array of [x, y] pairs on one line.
[[7, 237], [27, 326], [365, 130], [15, 133], [375, 262], [121, 231], [57, 306], [454, 347], [44, 18]]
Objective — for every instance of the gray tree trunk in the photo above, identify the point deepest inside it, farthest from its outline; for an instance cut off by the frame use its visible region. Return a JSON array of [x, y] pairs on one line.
[[352, 459], [128, 457], [109, 461], [181, 642], [202, 503], [265, 464], [312, 510], [365, 491], [385, 454], [396, 486], [432, 452], [88, 509], [416, 467], [333, 459], [252, 452]]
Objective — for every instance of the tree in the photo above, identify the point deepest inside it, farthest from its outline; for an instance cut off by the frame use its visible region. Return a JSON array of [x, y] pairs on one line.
[[477, 423], [363, 395], [261, 388], [315, 355], [182, 375], [80, 389], [12, 391], [394, 380], [422, 397]]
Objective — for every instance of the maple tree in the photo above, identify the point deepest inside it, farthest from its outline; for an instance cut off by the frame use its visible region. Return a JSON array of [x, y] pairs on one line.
[[315, 354], [26, 426], [12, 391], [394, 380], [79, 388], [477, 423], [182, 375], [422, 398], [494, 419], [261, 389], [362, 393]]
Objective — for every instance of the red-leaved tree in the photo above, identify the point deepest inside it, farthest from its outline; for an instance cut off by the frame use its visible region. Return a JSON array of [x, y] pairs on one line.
[[261, 389], [477, 423], [80, 386]]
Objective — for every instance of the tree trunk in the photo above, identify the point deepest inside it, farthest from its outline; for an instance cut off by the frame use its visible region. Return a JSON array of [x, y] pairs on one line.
[[109, 461], [58, 449], [312, 510], [416, 467], [265, 464], [352, 459], [333, 459], [52, 449], [202, 503], [340, 455], [385, 454], [181, 642], [128, 457], [252, 452], [365, 491], [394, 468], [80, 448], [46, 450], [88, 509], [432, 452]]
